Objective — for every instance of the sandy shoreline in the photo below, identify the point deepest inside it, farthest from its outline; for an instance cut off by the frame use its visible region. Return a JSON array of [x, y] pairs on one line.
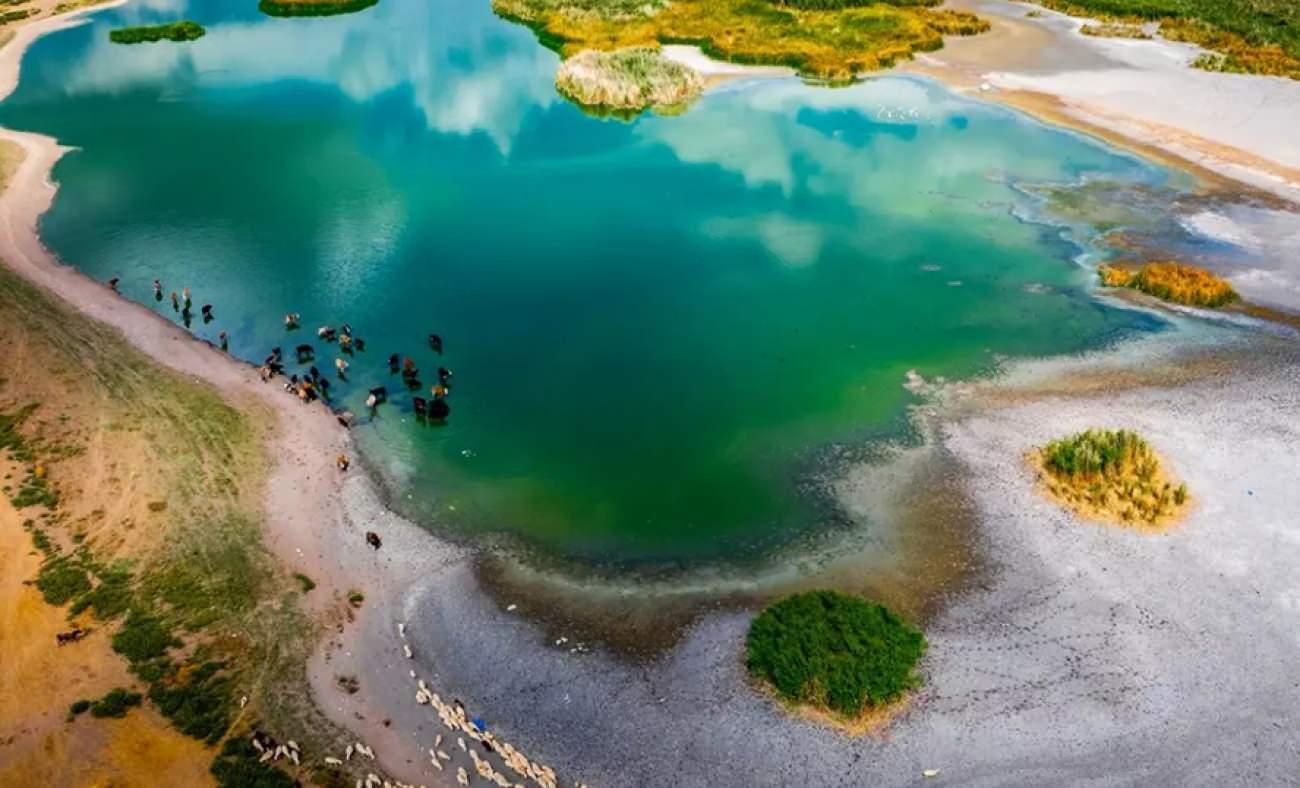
[[664, 722], [1232, 130]]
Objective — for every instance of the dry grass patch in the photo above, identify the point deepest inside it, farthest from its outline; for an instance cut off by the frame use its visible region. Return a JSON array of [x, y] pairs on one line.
[[1112, 30], [1110, 476]]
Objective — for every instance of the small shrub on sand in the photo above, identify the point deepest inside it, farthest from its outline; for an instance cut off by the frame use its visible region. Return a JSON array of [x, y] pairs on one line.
[[143, 637], [62, 579], [304, 582], [1112, 474], [834, 651], [78, 707], [110, 598], [196, 698], [1173, 282], [355, 598], [238, 766], [115, 704]]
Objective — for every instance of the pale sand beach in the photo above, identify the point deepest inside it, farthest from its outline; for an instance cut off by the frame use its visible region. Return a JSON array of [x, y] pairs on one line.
[[1082, 655]]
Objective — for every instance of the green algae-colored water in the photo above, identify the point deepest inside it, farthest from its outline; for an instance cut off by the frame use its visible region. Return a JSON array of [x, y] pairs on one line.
[[657, 328]]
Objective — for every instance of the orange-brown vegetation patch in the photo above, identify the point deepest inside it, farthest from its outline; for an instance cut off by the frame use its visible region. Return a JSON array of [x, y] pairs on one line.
[[1111, 476], [1176, 283]]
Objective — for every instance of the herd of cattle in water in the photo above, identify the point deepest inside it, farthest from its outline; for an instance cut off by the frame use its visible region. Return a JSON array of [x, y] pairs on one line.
[[311, 384]]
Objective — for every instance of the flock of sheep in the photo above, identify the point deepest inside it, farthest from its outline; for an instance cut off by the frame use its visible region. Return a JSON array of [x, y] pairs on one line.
[[453, 717]]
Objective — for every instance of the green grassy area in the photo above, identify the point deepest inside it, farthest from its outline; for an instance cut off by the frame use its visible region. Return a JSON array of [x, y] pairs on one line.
[[313, 7], [1111, 472], [827, 44], [834, 651], [1247, 36], [193, 601], [116, 703], [185, 30]]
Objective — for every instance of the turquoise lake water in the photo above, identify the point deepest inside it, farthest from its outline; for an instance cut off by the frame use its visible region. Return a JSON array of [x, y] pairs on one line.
[[657, 328]]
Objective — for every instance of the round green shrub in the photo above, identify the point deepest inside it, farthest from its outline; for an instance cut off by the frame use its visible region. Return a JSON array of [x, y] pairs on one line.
[[834, 650]]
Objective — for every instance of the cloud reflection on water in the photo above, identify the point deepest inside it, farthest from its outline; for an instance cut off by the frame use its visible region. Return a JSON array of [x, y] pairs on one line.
[[465, 70]]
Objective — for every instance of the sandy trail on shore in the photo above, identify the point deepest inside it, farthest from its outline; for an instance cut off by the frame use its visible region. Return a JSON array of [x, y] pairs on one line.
[[1089, 655]]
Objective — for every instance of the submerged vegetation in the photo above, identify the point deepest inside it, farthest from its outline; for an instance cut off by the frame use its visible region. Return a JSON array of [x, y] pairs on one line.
[[313, 7], [1110, 474], [1173, 282], [834, 652], [1245, 36], [828, 40], [633, 78], [185, 30]]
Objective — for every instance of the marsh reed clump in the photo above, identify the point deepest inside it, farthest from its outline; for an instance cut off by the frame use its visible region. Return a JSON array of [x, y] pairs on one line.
[[1173, 282], [633, 78], [1110, 474]]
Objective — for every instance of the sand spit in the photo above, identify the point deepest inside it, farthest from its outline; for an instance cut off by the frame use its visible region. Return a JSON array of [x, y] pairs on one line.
[[1138, 94]]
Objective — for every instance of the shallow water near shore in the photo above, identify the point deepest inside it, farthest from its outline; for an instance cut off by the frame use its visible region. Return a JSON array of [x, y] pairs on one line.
[[663, 332]]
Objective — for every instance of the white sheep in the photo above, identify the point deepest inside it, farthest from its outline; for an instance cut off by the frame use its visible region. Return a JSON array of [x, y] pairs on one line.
[[347, 754], [407, 651], [332, 761]]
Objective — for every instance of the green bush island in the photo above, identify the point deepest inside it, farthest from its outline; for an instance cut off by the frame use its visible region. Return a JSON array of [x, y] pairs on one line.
[[834, 651], [185, 30], [313, 7]]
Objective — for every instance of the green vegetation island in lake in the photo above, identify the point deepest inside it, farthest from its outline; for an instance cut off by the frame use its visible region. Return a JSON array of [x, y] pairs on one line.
[[834, 652], [313, 7], [185, 30]]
